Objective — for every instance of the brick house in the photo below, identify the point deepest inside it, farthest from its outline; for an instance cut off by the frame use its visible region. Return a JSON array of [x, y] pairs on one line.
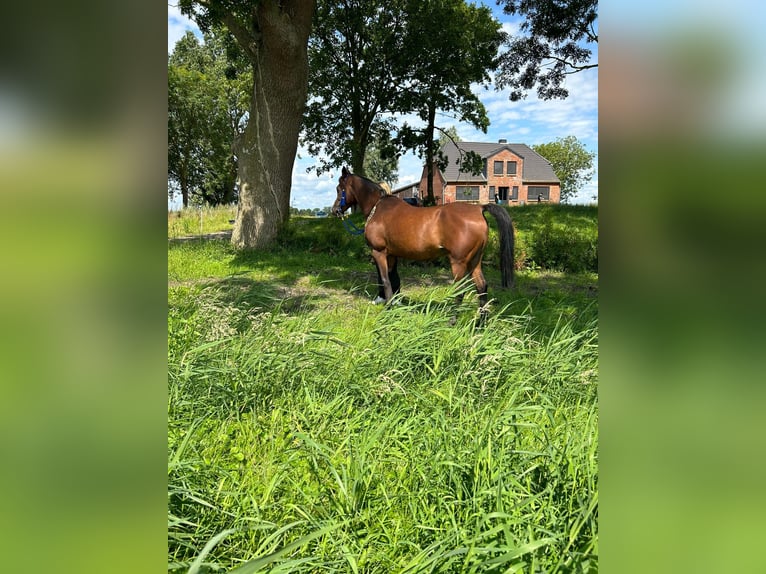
[[514, 174]]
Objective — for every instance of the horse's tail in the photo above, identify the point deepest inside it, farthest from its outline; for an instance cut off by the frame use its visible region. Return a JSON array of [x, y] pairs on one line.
[[505, 228]]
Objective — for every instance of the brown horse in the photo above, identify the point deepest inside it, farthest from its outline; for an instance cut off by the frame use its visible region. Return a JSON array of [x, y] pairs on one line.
[[396, 229]]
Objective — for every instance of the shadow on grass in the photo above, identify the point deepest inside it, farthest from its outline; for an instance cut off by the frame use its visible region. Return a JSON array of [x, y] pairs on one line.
[[292, 281]]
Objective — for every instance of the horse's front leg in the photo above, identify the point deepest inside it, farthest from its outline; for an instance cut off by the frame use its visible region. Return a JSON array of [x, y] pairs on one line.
[[393, 276], [381, 261]]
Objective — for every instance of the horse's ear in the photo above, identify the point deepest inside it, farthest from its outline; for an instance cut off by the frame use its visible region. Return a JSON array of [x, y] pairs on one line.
[[345, 171]]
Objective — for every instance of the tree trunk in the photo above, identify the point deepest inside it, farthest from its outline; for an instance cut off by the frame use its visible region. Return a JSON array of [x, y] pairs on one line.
[[430, 200], [358, 152], [231, 180], [184, 182], [266, 151]]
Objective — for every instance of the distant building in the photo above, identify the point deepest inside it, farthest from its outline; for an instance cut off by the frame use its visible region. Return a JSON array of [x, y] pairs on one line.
[[514, 174]]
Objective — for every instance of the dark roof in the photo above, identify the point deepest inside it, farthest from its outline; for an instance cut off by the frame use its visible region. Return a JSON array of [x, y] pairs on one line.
[[535, 167]]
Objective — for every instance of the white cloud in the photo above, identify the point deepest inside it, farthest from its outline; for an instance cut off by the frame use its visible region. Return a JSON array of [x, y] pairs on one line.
[[511, 28], [178, 25], [310, 190], [588, 194], [546, 120], [410, 170]]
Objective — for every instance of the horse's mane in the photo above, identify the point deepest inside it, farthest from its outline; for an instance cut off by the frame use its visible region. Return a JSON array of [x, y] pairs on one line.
[[378, 187]]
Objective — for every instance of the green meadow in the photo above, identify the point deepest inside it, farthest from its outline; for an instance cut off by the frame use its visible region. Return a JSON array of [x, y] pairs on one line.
[[312, 431]]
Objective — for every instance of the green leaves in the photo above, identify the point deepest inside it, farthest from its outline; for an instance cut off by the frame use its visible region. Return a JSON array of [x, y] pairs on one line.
[[571, 162], [557, 43], [369, 61], [208, 87]]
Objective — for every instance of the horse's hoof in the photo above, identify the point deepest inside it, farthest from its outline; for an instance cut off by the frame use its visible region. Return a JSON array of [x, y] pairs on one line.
[[378, 300]]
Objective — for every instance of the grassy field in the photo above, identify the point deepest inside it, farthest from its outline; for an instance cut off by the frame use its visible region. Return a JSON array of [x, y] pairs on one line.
[[310, 431], [200, 220]]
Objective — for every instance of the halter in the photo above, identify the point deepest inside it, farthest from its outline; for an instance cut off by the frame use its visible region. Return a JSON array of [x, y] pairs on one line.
[[350, 227]]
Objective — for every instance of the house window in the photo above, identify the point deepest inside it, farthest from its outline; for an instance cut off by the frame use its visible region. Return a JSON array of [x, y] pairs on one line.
[[467, 193], [515, 193], [491, 192], [498, 168], [510, 168], [541, 192]]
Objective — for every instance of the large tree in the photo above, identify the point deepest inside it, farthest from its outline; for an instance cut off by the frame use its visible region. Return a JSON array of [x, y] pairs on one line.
[[273, 35], [188, 107], [372, 62], [357, 60], [206, 105], [454, 45], [571, 162], [556, 40], [380, 161], [234, 77]]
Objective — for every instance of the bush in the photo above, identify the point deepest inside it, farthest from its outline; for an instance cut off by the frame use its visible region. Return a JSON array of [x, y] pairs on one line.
[[551, 237], [560, 248]]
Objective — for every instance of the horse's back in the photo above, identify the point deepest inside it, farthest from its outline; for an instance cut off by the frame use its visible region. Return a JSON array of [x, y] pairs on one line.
[[404, 230], [427, 232], [460, 214]]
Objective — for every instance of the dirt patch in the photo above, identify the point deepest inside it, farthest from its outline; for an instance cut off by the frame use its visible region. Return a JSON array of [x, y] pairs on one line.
[[216, 235]]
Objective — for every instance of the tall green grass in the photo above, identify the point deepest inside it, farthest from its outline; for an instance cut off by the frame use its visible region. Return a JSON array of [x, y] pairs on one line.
[[386, 442], [309, 431], [201, 220]]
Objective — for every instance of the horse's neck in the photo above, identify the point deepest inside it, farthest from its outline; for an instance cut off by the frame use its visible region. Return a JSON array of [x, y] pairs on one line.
[[369, 200]]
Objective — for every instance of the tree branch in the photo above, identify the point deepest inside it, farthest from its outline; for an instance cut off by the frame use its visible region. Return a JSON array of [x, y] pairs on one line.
[[575, 67], [592, 34], [240, 32]]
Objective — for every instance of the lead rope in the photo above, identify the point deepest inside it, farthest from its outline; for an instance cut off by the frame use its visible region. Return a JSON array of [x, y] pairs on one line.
[[351, 228], [348, 224]]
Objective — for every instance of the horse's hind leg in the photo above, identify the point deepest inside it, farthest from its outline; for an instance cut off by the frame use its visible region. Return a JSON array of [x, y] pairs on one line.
[[481, 285], [473, 267], [459, 271], [393, 274], [481, 288]]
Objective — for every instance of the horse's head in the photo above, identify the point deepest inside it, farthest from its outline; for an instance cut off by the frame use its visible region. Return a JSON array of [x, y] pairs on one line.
[[346, 197]]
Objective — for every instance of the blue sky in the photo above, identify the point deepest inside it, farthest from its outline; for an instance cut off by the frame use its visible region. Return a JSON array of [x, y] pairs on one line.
[[530, 121]]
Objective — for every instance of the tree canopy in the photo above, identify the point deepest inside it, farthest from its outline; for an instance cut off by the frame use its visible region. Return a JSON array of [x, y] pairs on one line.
[[556, 40], [207, 105], [571, 161], [372, 63], [357, 65], [454, 46], [380, 163]]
